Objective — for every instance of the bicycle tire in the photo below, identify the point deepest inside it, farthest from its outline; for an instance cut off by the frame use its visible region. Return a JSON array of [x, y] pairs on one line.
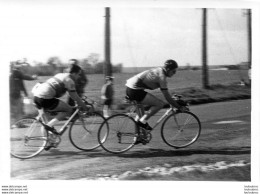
[[28, 138], [121, 134], [83, 133], [181, 129]]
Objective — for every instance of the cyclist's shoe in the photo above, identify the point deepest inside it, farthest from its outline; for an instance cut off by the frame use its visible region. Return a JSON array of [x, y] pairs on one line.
[[49, 146], [145, 126], [53, 141], [138, 141], [142, 141]]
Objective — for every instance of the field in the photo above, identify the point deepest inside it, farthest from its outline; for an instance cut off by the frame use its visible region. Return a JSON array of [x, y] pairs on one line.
[[183, 79], [222, 153]]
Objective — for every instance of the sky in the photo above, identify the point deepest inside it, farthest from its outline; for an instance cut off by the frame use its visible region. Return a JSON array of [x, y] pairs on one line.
[[140, 35]]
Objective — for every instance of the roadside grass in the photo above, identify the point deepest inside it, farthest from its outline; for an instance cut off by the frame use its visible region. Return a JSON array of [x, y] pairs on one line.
[[215, 93], [194, 95], [185, 83]]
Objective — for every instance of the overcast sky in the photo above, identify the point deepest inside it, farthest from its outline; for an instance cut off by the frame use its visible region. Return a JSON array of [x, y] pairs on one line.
[[140, 36]]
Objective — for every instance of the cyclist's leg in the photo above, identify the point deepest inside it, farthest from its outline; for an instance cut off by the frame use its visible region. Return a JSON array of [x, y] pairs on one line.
[[64, 110], [155, 103], [145, 98]]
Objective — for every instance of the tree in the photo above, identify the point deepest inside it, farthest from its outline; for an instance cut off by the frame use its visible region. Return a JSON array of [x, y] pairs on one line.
[[93, 58], [55, 63]]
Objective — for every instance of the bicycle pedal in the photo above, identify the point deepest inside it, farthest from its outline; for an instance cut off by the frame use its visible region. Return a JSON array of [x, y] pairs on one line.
[[144, 141]]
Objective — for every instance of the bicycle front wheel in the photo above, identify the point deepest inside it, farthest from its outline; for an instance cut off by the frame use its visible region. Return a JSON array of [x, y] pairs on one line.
[[83, 131], [121, 134], [180, 130], [28, 138]]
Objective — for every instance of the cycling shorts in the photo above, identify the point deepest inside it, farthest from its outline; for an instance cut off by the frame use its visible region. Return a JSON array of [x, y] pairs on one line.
[[48, 104], [137, 95]]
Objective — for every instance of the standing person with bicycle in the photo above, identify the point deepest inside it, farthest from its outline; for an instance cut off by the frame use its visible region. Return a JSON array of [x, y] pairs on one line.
[[46, 95], [152, 79]]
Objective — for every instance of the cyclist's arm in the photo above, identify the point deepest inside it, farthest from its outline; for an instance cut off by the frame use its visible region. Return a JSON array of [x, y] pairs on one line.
[[169, 99], [75, 96]]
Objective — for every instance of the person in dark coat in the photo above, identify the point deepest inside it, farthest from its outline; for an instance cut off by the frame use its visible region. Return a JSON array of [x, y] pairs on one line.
[[81, 82], [17, 90]]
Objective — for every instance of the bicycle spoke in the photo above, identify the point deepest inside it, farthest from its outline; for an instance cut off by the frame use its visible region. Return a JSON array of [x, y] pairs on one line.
[[180, 129], [83, 132], [121, 134], [28, 138]]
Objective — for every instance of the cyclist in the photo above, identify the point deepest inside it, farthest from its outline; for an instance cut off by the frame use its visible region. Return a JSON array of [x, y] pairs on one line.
[[152, 79], [46, 95]]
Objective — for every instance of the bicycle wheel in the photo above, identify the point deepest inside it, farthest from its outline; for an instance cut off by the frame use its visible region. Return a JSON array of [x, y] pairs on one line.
[[28, 138], [121, 134], [180, 130], [83, 131]]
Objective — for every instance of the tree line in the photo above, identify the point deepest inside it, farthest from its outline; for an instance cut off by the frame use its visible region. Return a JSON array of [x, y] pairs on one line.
[[90, 65]]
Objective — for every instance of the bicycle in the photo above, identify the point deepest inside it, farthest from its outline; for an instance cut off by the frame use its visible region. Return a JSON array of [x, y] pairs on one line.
[[30, 136], [178, 130]]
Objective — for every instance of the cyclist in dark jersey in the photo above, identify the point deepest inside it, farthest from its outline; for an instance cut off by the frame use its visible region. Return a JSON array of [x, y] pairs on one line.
[[152, 79]]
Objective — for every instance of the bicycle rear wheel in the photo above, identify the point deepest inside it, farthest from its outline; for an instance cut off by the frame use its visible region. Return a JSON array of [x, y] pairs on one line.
[[28, 138], [180, 130], [83, 131], [121, 134]]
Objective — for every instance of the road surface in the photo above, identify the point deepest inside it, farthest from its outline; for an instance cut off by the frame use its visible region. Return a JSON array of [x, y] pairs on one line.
[[222, 153]]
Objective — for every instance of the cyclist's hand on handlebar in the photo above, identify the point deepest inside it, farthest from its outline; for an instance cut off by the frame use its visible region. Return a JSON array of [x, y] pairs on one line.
[[183, 109], [90, 108], [87, 108], [84, 108]]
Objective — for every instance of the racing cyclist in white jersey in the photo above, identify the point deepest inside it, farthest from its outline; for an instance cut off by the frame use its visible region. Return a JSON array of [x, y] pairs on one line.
[[46, 95], [152, 79]]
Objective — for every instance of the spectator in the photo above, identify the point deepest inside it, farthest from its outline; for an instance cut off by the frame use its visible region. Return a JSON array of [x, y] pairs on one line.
[[16, 89], [107, 94], [80, 83], [249, 76]]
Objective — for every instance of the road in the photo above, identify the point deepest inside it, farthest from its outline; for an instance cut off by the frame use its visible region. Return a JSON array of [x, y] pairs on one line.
[[222, 152]]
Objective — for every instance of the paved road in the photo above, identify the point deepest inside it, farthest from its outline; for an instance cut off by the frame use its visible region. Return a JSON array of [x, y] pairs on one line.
[[226, 137]]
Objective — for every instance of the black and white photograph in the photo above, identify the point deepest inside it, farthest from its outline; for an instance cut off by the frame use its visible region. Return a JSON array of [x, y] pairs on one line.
[[121, 96]]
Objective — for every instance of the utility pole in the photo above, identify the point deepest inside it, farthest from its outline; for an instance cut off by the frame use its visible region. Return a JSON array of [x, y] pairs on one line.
[[107, 65], [249, 27], [205, 77]]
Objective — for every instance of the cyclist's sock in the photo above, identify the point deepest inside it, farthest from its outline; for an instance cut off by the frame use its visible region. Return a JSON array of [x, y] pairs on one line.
[[143, 121], [52, 122]]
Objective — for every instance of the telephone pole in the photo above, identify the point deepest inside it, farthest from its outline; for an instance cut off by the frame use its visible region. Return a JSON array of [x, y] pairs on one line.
[[107, 65], [205, 77], [249, 27]]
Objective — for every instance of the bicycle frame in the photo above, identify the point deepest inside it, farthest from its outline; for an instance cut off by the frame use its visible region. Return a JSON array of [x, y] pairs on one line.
[[42, 120], [140, 112]]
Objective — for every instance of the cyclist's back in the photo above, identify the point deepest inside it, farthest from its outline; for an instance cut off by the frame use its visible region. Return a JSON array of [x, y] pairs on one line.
[[55, 87], [149, 79]]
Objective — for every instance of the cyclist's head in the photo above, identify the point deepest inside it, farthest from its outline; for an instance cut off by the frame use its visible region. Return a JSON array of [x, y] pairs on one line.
[[109, 78], [74, 69], [170, 67], [73, 62]]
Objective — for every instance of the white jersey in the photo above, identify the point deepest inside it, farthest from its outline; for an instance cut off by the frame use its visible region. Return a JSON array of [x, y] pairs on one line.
[[150, 79], [55, 87]]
